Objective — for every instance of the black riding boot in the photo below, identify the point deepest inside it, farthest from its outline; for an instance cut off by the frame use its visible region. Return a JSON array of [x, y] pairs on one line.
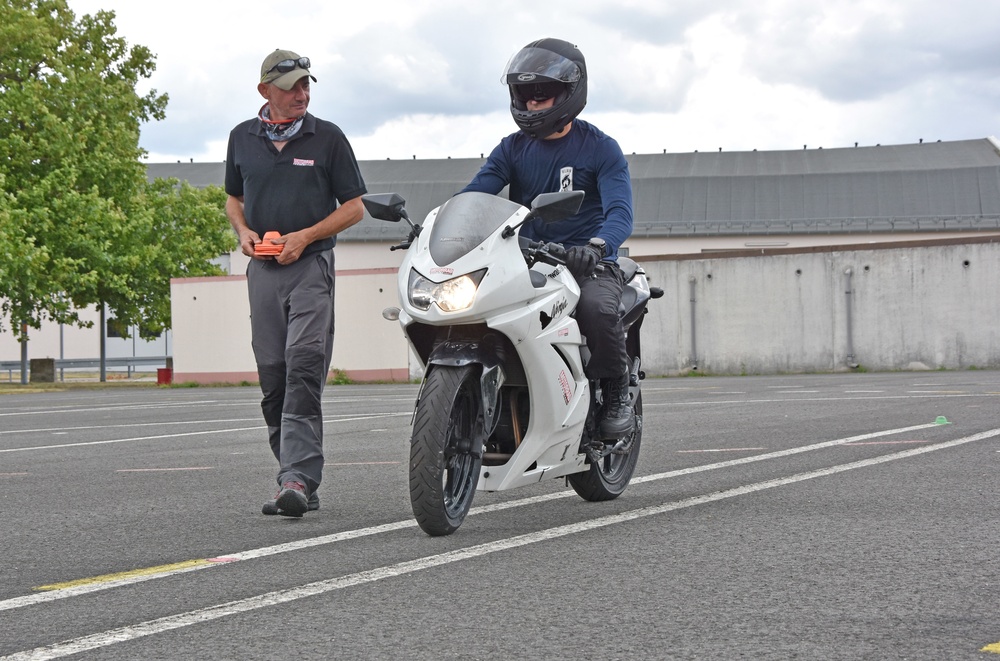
[[617, 418]]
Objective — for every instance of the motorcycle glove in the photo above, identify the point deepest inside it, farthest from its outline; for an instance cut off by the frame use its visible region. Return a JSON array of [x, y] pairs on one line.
[[582, 260]]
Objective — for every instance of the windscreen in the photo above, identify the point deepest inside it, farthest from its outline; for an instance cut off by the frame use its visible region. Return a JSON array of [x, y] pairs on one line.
[[465, 221]]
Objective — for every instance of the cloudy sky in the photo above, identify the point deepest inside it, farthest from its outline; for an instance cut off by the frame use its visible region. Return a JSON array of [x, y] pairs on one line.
[[421, 78]]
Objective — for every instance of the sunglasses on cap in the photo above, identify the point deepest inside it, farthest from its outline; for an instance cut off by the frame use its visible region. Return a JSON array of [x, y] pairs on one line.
[[288, 65]]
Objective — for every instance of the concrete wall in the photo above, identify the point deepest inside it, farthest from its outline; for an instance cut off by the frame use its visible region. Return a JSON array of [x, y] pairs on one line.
[[913, 306], [909, 307], [212, 318]]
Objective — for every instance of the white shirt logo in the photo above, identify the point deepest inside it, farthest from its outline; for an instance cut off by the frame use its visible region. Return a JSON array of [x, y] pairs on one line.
[[565, 179]]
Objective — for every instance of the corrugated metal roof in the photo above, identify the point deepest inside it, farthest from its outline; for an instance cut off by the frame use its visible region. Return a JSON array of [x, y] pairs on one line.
[[898, 188]]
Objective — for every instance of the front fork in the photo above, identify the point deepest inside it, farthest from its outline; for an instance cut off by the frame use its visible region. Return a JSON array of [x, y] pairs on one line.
[[460, 352]]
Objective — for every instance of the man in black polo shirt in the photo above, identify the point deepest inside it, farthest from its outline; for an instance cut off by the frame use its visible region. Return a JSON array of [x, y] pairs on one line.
[[291, 173]]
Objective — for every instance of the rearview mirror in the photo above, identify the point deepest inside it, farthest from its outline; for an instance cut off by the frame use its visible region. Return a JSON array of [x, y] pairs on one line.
[[550, 207], [385, 206]]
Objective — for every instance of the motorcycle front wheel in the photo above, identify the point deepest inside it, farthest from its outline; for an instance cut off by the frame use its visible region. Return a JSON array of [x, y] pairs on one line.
[[606, 479], [446, 449]]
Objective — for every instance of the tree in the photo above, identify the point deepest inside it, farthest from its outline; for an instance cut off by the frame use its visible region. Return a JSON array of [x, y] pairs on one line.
[[80, 224], [178, 231]]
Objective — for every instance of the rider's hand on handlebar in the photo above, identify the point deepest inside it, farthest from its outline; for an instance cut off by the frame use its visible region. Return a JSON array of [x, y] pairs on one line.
[[582, 261]]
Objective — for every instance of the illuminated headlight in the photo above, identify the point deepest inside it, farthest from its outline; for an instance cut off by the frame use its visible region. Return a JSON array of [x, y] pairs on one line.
[[451, 295]]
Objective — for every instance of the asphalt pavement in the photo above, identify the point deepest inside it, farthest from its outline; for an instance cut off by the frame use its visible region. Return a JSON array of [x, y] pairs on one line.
[[835, 516]]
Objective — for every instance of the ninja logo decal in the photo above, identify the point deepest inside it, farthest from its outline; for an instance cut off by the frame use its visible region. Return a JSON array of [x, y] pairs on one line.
[[565, 179]]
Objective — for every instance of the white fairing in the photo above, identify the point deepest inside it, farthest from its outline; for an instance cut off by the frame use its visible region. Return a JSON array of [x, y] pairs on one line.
[[537, 321]]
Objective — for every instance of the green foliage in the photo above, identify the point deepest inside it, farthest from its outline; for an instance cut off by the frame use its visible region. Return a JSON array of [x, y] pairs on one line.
[[178, 230], [80, 224], [339, 378]]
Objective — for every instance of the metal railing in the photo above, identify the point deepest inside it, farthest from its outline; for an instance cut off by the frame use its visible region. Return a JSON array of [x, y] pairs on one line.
[[128, 362]]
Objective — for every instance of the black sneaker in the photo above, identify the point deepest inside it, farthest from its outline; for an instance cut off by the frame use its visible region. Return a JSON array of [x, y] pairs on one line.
[[617, 418], [292, 499], [271, 509]]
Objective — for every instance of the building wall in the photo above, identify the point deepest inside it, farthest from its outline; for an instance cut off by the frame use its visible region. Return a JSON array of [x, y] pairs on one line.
[[212, 318], [911, 307]]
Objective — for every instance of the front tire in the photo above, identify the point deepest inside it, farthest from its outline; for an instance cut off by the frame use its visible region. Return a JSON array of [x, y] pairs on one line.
[[606, 479], [446, 449]]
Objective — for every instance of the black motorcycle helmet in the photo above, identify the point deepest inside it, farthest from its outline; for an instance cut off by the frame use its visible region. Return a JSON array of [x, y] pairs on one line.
[[547, 68]]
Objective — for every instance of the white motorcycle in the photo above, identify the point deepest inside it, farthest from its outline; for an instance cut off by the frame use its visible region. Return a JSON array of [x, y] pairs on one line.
[[504, 401]]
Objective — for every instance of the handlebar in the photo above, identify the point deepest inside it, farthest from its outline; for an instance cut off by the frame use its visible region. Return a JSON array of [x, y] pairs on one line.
[[553, 254]]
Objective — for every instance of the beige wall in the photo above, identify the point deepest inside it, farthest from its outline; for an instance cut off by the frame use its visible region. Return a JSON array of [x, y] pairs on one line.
[[360, 255], [210, 340], [913, 306], [211, 319]]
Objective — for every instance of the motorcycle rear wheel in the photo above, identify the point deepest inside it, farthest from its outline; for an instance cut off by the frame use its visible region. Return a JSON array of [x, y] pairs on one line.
[[446, 449], [607, 478]]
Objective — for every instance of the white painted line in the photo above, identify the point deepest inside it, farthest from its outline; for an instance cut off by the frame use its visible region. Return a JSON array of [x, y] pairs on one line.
[[190, 618], [889, 443], [809, 399], [721, 450], [116, 407], [161, 470], [42, 597], [28, 600], [64, 430], [184, 434], [779, 453]]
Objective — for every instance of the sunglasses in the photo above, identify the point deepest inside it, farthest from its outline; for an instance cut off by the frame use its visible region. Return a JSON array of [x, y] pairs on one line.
[[538, 91], [288, 65]]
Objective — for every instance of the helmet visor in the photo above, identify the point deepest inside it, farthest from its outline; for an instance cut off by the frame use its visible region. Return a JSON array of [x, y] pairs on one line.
[[530, 65], [537, 91]]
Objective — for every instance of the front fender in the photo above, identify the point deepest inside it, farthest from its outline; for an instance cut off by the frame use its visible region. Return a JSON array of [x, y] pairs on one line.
[[464, 351]]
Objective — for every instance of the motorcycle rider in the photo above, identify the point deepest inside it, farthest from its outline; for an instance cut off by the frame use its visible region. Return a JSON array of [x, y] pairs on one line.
[[555, 151]]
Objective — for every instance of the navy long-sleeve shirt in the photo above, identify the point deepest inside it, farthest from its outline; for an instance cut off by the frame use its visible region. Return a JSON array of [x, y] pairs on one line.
[[584, 159]]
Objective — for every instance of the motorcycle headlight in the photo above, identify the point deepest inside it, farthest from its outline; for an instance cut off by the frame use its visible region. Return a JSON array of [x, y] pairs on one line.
[[451, 295]]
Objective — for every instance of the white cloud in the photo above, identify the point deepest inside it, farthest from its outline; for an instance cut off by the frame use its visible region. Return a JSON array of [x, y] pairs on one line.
[[406, 77]]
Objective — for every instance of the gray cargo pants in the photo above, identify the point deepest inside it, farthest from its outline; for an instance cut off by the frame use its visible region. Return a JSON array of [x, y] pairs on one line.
[[291, 318]]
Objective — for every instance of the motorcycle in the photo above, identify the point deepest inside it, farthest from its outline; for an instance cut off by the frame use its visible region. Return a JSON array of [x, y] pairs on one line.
[[504, 400]]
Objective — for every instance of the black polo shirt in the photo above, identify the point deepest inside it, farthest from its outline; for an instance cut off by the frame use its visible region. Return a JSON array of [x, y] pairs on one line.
[[292, 189]]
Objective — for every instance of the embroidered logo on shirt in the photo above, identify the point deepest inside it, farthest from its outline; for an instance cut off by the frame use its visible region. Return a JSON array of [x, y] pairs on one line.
[[565, 179], [303, 161]]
